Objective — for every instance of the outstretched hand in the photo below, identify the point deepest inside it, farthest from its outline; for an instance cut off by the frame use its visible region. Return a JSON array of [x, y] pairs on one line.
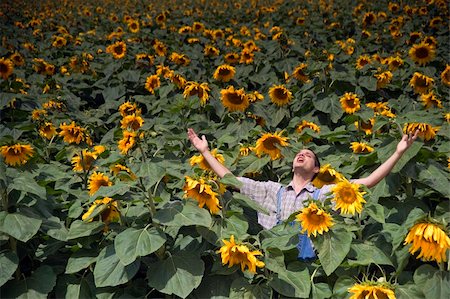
[[200, 144], [406, 142]]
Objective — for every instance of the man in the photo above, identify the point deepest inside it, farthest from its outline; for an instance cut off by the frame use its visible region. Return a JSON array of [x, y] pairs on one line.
[[305, 166]]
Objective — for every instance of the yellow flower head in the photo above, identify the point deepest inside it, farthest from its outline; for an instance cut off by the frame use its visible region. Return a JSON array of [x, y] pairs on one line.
[[224, 73], [47, 130], [314, 220], [269, 144], [200, 89], [118, 49], [151, 83], [365, 126], [361, 148], [421, 83], [362, 61], [129, 108], [202, 163], [327, 175], [17, 59], [160, 48], [350, 102], [73, 133], [237, 254], [118, 168], [426, 131], [96, 180], [381, 108], [16, 154], [109, 213], [280, 95], [232, 58], [6, 68], [348, 198], [307, 124], [394, 63], [234, 99], [430, 239], [133, 122], [133, 26], [445, 75], [383, 79], [255, 96], [430, 100], [84, 161], [203, 193], [299, 73], [422, 53], [246, 56], [370, 290], [127, 142]]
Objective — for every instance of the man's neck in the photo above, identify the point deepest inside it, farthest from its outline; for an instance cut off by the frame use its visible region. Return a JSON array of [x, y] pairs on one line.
[[299, 181]]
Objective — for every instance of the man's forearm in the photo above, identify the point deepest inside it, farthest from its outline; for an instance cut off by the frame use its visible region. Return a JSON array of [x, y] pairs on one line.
[[216, 166], [381, 172]]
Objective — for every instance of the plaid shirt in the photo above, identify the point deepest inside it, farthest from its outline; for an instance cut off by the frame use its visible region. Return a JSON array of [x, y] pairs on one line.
[[265, 194]]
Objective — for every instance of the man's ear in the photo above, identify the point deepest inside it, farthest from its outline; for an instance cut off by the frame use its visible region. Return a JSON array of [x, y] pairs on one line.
[[316, 169]]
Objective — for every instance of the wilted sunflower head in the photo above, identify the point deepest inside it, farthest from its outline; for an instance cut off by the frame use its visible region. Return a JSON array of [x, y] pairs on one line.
[[269, 144], [383, 79], [96, 180], [127, 142], [361, 148], [430, 100], [202, 192], [234, 99], [421, 83], [369, 289], [224, 73], [6, 68], [16, 154], [299, 73], [280, 95], [327, 175], [426, 131], [129, 108], [47, 130], [445, 75]]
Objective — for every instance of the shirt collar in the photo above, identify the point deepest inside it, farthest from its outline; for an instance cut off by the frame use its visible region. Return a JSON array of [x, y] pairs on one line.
[[309, 187]]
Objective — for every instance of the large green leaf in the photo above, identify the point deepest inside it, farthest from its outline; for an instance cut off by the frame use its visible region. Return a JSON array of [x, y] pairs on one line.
[[281, 237], [241, 289], [179, 274], [320, 290], [27, 184], [80, 229], [333, 247], [109, 270], [408, 291], [329, 104], [434, 283], [183, 214], [80, 260], [366, 254], [133, 243], [246, 201], [37, 286], [110, 191], [436, 178], [292, 282], [255, 165], [151, 172], [79, 291], [8, 265], [19, 226]]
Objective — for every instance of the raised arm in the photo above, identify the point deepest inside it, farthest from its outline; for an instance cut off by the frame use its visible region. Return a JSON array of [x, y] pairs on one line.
[[202, 146], [384, 169]]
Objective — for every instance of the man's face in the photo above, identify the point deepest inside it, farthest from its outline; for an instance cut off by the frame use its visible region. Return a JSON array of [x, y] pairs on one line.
[[305, 160]]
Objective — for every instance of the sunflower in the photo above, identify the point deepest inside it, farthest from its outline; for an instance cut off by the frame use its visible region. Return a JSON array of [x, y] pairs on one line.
[[347, 197], [269, 144], [234, 100], [350, 102], [84, 161], [244, 151], [299, 73], [96, 180], [127, 142], [178, 80], [394, 63], [133, 26], [422, 53], [371, 290], [383, 79], [430, 100], [365, 126], [327, 175], [369, 18], [421, 83], [362, 61], [73, 133], [47, 130], [6, 68], [118, 49], [133, 122], [198, 27], [445, 75], [16, 154], [199, 89], [37, 114], [59, 42], [255, 96], [232, 58], [280, 95], [109, 210], [246, 56], [151, 83], [361, 148], [431, 41], [202, 163], [17, 59], [432, 241], [160, 48], [426, 131], [314, 220], [203, 193], [381, 108], [118, 170], [165, 71], [310, 125], [224, 73], [436, 22], [238, 254], [180, 59], [129, 108], [210, 51]]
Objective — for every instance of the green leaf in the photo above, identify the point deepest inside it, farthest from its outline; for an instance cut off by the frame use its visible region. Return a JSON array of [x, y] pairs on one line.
[[230, 180], [435, 283], [113, 93], [109, 271], [179, 274], [37, 286], [333, 247], [27, 184], [256, 165], [19, 226], [408, 291], [247, 202], [366, 254], [293, 282], [80, 229], [329, 104], [241, 289], [375, 210], [133, 243], [320, 290], [80, 260], [281, 237], [432, 176], [118, 188], [8, 265], [183, 214], [152, 172], [368, 82], [81, 290]]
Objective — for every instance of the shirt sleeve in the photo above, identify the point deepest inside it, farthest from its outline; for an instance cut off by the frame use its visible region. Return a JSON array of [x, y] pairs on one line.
[[261, 192]]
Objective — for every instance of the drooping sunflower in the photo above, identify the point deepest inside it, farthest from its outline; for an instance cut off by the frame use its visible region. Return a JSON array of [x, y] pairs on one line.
[[362, 61], [6, 68], [426, 131], [165, 71], [127, 142], [394, 62], [422, 53], [361, 148], [96, 180], [371, 290], [129, 108], [314, 220], [47, 130], [122, 172], [203, 193], [421, 83], [202, 163], [84, 161], [200, 89], [224, 73], [233, 253], [211, 51], [180, 59], [232, 58], [17, 59], [109, 210], [327, 175], [74, 134], [383, 79], [244, 151], [299, 73], [350, 102], [178, 80], [160, 48], [430, 100], [280, 95], [430, 239], [365, 126], [37, 114], [445, 75], [255, 96], [269, 144], [17, 154], [234, 99], [151, 83], [369, 18], [59, 42], [118, 49], [380, 108], [307, 124], [133, 122], [246, 56], [347, 197]]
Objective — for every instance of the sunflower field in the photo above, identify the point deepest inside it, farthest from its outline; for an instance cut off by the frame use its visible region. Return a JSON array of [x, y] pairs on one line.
[[103, 195]]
